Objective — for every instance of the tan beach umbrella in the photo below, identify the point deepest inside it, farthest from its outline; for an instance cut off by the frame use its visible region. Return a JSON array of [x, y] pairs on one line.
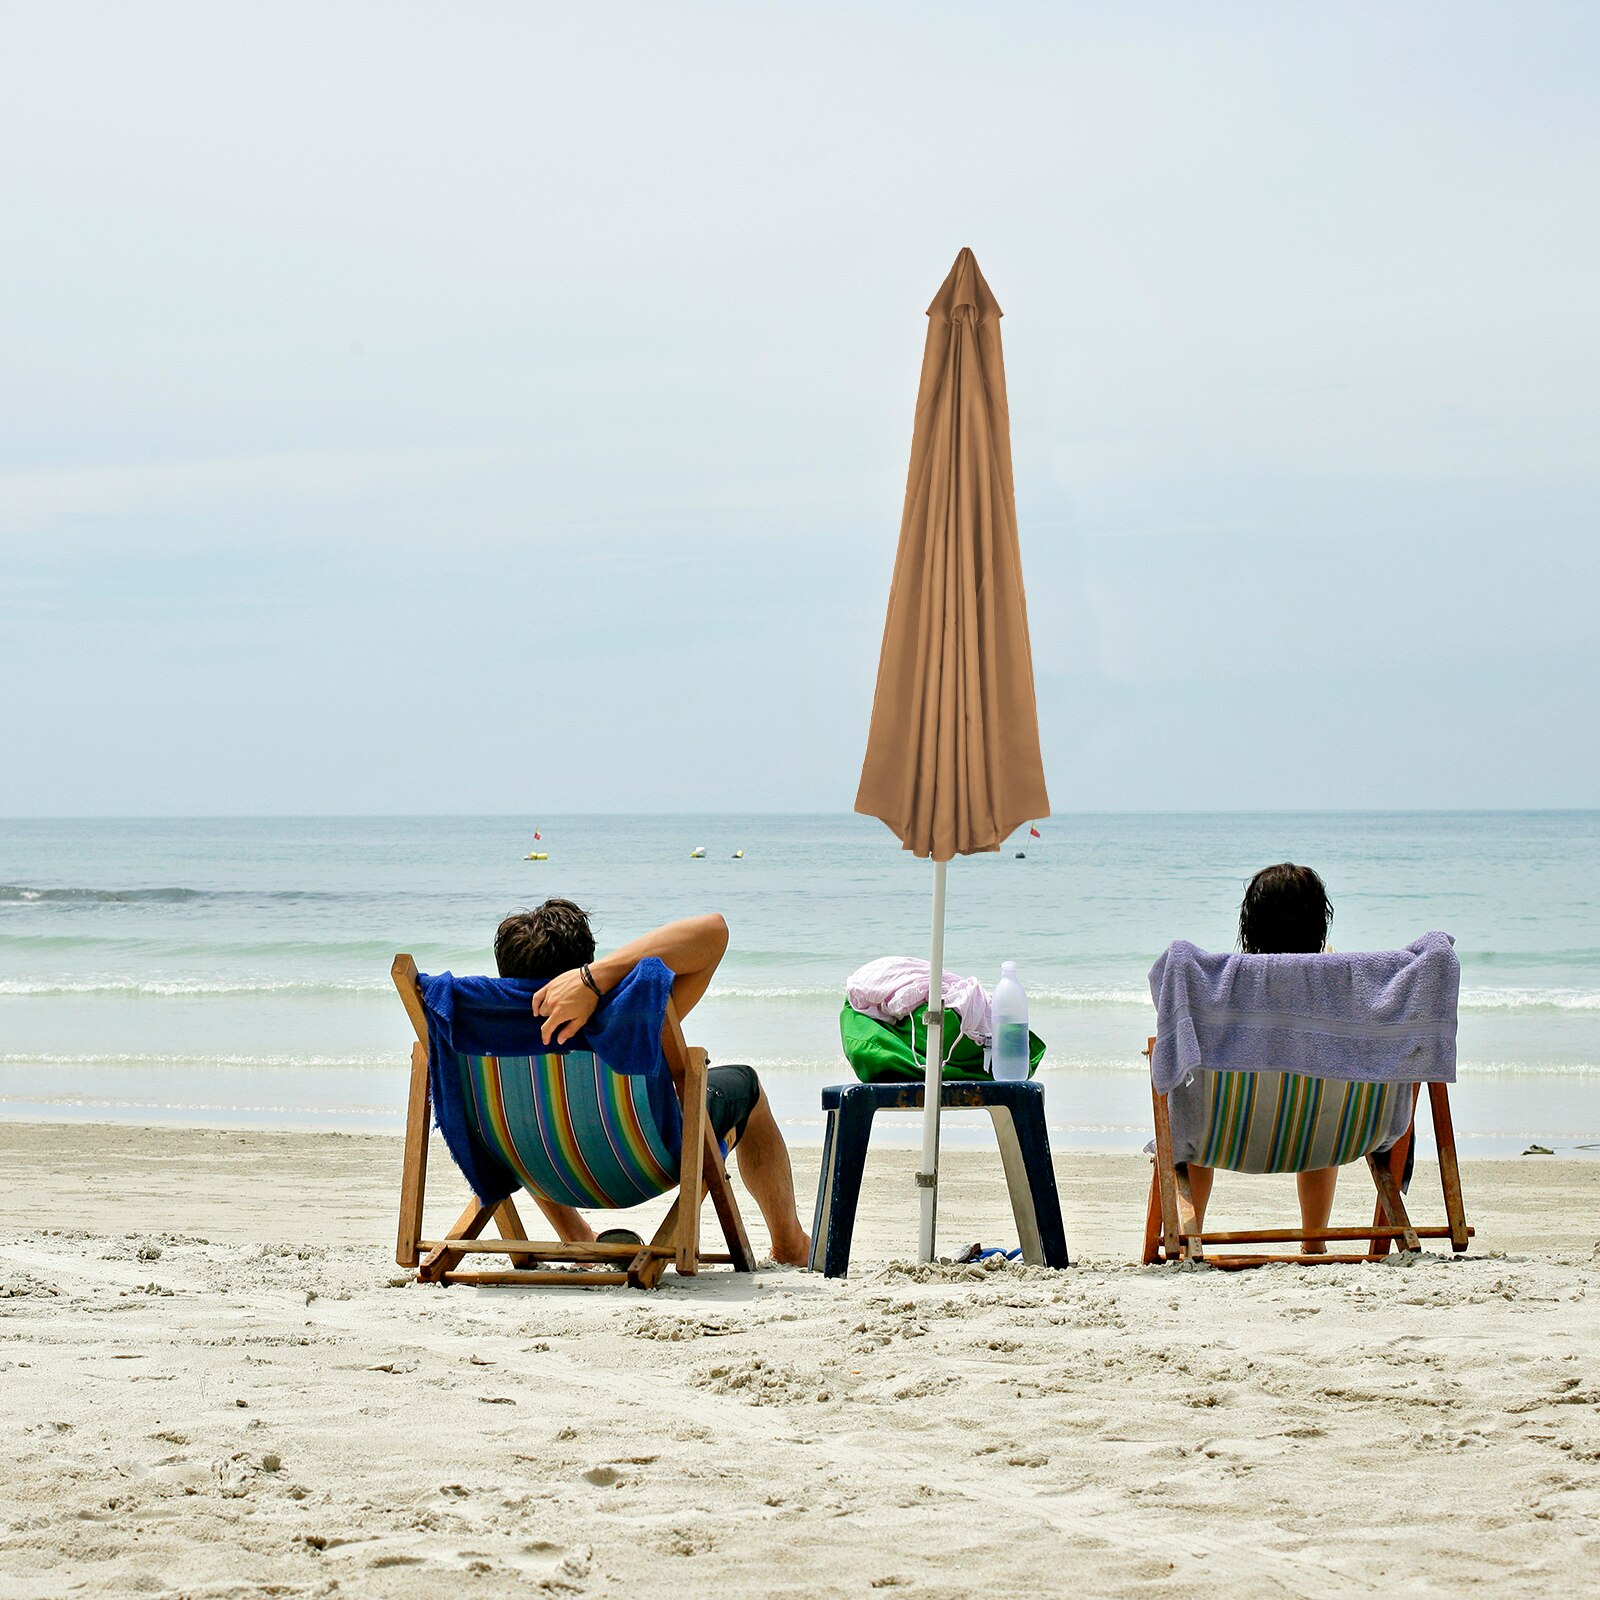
[[953, 762]]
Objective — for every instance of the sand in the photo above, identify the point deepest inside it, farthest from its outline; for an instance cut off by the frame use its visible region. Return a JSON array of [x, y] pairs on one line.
[[216, 1384]]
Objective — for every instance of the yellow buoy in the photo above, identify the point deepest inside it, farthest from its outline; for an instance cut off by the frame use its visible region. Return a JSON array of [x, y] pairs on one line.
[[536, 855], [697, 852], [738, 855]]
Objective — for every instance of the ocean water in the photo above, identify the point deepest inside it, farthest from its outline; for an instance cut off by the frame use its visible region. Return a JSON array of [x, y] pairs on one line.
[[235, 971]]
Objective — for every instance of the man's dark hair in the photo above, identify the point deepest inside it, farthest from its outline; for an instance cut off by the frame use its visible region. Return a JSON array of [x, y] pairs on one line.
[[1285, 911], [542, 943]]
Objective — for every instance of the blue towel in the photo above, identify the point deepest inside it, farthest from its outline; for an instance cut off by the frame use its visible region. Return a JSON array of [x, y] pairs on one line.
[[1376, 1017], [494, 1017]]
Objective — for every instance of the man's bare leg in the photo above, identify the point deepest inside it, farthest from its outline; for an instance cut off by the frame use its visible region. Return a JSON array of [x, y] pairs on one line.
[[570, 1224], [764, 1166], [1316, 1204]]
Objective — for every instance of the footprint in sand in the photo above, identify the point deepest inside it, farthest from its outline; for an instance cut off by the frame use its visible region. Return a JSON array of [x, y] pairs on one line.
[[234, 1475], [577, 1564]]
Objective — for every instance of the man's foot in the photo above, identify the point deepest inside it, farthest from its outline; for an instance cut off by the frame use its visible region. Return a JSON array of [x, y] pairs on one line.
[[792, 1252]]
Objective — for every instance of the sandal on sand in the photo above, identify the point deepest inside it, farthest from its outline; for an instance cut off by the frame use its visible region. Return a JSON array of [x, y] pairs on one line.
[[619, 1236]]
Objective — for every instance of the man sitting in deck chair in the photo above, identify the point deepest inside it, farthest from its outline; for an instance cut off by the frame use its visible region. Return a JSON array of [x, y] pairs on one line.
[[553, 945]]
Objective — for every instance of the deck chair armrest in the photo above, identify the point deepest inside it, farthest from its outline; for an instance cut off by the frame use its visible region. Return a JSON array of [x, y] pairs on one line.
[[675, 1050], [404, 975]]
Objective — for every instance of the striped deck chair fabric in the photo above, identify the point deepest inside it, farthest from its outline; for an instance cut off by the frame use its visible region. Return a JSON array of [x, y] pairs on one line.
[[569, 1127], [1283, 1121]]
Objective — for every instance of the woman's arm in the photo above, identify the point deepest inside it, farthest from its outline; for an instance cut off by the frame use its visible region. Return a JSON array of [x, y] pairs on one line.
[[692, 947]]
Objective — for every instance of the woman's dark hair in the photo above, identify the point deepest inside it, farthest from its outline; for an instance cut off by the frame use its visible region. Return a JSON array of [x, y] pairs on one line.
[[540, 944], [1285, 911]]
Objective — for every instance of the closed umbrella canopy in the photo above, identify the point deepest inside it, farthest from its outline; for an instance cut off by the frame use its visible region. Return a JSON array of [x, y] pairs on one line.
[[953, 762]]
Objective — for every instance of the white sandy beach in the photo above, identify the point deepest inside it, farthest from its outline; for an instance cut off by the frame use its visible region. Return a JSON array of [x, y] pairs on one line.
[[217, 1384]]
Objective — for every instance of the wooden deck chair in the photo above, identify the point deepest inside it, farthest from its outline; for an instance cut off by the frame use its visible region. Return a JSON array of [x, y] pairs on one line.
[[1285, 1122], [575, 1133]]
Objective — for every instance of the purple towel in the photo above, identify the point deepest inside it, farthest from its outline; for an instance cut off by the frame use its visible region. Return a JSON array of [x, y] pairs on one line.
[[1384, 1016]]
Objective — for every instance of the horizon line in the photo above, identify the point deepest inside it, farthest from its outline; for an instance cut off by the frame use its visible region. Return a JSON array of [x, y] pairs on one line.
[[537, 818]]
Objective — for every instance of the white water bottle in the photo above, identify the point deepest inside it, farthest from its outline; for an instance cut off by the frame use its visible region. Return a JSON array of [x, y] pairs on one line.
[[1009, 1012]]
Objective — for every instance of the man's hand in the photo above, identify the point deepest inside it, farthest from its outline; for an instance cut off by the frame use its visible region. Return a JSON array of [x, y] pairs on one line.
[[565, 1004]]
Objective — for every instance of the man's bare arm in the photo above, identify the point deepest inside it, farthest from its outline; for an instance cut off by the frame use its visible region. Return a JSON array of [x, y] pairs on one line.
[[692, 947]]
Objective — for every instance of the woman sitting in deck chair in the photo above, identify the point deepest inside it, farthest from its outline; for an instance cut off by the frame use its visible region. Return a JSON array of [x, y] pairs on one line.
[[1285, 911], [1288, 1059]]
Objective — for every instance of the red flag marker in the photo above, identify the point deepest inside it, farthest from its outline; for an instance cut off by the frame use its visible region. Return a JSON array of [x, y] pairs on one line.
[[1031, 829]]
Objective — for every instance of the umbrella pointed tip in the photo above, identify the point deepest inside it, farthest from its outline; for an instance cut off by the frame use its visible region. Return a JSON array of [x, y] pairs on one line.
[[965, 285]]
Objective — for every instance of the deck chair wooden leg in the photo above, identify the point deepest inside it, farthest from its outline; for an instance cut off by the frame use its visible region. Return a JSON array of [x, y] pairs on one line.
[[1395, 1158], [1152, 1222], [437, 1263], [414, 1169], [721, 1192], [646, 1268], [644, 1271], [1188, 1216], [1444, 1135], [1166, 1176], [509, 1222], [1394, 1206], [712, 1177], [691, 1170]]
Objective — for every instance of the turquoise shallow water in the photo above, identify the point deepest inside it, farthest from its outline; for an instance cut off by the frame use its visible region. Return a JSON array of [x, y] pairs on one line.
[[235, 971]]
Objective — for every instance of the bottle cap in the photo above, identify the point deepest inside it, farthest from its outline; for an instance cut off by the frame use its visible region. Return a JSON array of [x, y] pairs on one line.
[[1008, 969]]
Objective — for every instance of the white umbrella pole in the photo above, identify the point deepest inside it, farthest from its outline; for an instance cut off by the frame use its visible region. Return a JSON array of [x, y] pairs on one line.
[[933, 1072]]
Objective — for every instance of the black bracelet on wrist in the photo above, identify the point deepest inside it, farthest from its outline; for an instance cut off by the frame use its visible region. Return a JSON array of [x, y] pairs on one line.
[[588, 978]]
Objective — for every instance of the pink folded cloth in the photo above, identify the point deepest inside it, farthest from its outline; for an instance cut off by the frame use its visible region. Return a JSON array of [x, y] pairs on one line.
[[893, 987]]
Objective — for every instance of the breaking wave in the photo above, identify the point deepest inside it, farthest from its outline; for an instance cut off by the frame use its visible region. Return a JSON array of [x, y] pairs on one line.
[[198, 988], [20, 894]]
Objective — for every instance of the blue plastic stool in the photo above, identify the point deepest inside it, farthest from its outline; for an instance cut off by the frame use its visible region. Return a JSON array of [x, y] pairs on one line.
[[1018, 1113]]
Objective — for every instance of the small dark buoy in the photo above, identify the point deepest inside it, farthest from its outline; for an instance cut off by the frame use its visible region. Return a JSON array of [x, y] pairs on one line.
[[1022, 855]]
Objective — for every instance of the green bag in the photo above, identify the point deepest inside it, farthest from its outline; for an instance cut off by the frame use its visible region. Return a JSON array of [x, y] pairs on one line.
[[882, 1052]]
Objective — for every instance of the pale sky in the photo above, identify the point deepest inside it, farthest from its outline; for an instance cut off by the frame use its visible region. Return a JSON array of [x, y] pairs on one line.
[[418, 408]]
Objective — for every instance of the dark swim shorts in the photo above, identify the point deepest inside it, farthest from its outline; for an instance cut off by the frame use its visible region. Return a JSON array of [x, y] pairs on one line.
[[731, 1095]]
